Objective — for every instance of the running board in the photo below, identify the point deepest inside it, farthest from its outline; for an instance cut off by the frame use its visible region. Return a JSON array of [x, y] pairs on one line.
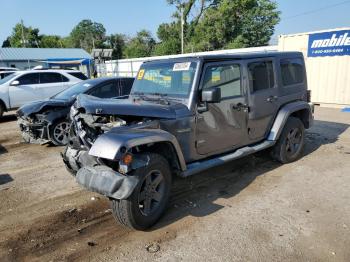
[[200, 166]]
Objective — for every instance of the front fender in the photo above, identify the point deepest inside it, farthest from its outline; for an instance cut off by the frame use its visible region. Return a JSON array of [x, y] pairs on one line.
[[283, 115], [112, 145]]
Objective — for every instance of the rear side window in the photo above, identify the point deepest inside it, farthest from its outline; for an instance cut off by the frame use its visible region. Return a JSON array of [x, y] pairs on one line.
[[225, 77], [79, 75], [125, 86], [29, 79], [108, 90], [47, 78], [292, 71], [261, 75]]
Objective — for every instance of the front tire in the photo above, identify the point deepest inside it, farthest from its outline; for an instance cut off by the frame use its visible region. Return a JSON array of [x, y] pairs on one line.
[[148, 201], [59, 132], [290, 145]]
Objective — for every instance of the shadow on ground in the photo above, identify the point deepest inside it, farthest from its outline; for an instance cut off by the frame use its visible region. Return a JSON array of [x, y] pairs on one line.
[[193, 196], [8, 118], [196, 195], [5, 178]]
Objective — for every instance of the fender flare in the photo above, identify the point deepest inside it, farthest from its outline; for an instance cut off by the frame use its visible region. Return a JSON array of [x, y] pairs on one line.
[[282, 117], [112, 145]]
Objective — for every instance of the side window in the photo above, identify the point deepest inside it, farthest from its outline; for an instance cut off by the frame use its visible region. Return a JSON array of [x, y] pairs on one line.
[[125, 86], [78, 75], [46, 78], [226, 77], [108, 90], [292, 71], [29, 79], [261, 75]]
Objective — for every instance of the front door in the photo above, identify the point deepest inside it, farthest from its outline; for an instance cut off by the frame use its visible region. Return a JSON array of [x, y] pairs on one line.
[[223, 126], [26, 91], [263, 97]]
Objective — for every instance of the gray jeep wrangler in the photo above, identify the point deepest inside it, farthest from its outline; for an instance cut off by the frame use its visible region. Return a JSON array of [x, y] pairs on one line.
[[183, 116]]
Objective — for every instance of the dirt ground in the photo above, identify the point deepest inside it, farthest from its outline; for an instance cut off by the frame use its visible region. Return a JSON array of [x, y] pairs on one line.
[[252, 209]]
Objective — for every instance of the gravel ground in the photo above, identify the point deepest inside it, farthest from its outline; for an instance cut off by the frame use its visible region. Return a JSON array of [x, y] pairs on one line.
[[252, 209]]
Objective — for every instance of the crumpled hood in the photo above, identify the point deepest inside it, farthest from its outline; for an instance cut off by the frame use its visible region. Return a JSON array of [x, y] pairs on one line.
[[130, 106], [37, 106]]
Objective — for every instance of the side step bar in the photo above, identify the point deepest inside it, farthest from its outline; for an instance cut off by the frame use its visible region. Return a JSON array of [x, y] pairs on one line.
[[200, 166]]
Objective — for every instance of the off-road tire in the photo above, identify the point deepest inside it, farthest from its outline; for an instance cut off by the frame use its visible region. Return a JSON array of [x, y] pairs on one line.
[[281, 151], [128, 212], [53, 127]]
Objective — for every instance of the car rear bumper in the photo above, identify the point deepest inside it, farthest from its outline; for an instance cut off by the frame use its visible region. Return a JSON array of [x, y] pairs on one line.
[[106, 181]]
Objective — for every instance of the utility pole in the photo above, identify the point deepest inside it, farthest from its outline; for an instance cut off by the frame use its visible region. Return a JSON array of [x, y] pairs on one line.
[[182, 28]]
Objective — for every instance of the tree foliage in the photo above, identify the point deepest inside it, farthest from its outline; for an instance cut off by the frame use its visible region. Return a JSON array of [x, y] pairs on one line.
[[88, 35], [23, 36], [141, 45], [219, 24], [208, 25]]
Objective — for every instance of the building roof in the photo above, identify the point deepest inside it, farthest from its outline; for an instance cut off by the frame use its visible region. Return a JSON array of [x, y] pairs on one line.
[[24, 54]]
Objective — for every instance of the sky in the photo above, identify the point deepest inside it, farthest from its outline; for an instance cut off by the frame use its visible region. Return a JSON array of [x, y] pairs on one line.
[[128, 17]]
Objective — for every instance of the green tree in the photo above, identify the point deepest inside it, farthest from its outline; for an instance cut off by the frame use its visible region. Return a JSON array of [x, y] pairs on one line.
[[6, 42], [88, 35], [141, 45], [51, 41], [170, 42], [236, 24], [218, 24], [117, 43], [23, 36]]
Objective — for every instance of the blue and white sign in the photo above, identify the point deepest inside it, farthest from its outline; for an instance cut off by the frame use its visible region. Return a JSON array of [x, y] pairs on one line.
[[336, 43]]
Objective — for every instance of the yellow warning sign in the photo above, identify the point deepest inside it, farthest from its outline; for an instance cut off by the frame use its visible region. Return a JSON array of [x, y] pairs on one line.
[[140, 74]]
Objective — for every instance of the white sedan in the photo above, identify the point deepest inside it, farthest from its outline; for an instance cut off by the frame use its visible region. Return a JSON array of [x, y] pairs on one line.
[[23, 87]]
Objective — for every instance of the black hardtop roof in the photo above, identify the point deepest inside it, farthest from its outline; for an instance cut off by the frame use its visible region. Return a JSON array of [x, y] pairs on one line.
[[237, 56]]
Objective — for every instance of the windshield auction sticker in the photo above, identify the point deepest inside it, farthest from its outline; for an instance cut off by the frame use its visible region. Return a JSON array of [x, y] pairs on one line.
[[140, 74], [182, 66]]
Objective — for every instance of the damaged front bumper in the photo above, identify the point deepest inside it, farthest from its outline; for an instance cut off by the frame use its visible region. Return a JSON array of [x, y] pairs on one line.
[[33, 132], [106, 181]]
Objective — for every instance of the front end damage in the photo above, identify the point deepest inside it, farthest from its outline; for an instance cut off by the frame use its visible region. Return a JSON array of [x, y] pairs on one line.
[[104, 134], [105, 173], [35, 119]]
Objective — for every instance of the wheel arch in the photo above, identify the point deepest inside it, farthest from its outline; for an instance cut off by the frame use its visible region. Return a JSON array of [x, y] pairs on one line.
[[112, 145], [2, 103], [299, 109]]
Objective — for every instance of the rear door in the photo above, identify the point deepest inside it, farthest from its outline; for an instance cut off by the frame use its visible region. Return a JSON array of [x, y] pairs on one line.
[[26, 91], [50, 84], [223, 126], [263, 96]]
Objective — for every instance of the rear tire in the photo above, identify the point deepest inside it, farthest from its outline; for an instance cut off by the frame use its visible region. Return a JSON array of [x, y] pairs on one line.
[[148, 201], [59, 132], [290, 145], [2, 109]]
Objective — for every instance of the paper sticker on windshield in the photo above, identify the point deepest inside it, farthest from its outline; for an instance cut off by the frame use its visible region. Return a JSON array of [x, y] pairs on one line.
[[140, 74], [182, 66], [86, 85]]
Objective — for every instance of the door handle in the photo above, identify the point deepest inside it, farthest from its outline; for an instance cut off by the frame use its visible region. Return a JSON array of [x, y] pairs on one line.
[[272, 98], [240, 106]]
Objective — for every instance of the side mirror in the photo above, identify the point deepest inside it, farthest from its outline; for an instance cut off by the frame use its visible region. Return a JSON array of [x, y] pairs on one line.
[[211, 95], [15, 83]]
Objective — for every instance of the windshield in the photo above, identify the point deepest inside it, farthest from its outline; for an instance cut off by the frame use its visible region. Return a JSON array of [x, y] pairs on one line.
[[170, 79], [7, 78], [75, 90]]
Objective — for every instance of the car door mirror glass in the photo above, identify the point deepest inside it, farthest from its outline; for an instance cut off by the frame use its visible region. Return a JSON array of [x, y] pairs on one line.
[[211, 95], [15, 83]]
